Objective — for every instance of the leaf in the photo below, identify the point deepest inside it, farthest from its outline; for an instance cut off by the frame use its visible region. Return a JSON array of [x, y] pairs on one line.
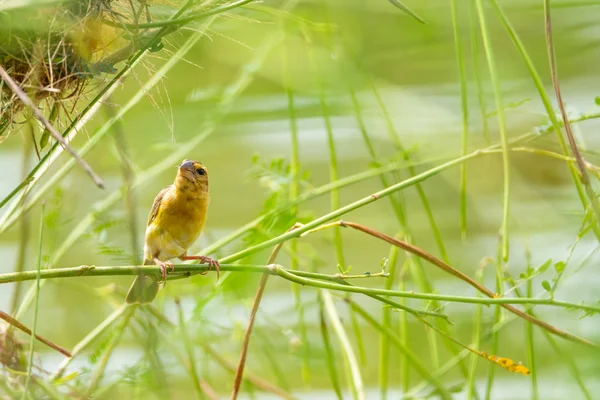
[[597, 100], [397, 4], [66, 378], [560, 267], [546, 285], [509, 106], [544, 266]]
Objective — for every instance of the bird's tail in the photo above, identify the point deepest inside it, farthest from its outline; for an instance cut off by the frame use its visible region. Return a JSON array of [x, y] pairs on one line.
[[143, 290]]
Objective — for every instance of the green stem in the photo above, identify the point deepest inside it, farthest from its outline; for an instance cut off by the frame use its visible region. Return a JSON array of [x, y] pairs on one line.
[[293, 195], [331, 364], [300, 277], [477, 323], [37, 304], [531, 348], [384, 346], [412, 357], [465, 116], [487, 45], [356, 383], [189, 348]]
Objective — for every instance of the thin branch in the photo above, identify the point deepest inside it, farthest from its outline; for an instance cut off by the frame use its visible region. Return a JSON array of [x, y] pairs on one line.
[[453, 271], [38, 114], [257, 299], [23, 328], [302, 277]]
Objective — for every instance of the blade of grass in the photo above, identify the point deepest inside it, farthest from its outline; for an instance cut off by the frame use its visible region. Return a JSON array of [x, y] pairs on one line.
[[37, 305], [473, 25], [400, 6], [477, 323], [531, 349], [503, 252], [191, 358], [24, 234], [403, 328], [384, 345], [491, 61], [355, 379], [293, 195], [395, 340], [329, 352], [128, 179], [458, 48]]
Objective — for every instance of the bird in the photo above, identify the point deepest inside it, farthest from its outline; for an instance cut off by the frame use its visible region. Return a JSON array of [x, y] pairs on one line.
[[175, 222]]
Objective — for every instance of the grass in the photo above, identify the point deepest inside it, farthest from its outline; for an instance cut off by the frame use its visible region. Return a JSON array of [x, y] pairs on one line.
[[335, 317]]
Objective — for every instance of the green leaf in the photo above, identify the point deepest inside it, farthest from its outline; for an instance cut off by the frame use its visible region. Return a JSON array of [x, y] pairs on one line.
[[597, 100], [545, 266], [397, 4], [560, 267], [546, 285]]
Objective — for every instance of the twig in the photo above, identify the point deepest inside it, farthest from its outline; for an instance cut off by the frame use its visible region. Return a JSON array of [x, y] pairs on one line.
[[259, 293], [25, 329], [38, 114], [453, 271]]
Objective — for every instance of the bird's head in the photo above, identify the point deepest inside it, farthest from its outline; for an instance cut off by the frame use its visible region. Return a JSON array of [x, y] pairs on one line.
[[192, 176]]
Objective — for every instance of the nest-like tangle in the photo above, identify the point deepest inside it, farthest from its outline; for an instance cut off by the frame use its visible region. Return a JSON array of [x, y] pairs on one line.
[[52, 52]]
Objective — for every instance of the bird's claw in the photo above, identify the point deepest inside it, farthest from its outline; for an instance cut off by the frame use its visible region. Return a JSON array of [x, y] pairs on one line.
[[163, 269], [212, 263]]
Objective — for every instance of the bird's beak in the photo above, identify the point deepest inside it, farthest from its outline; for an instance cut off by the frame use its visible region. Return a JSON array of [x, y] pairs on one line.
[[187, 164]]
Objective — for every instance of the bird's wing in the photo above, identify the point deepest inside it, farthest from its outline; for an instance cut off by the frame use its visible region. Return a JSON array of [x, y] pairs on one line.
[[156, 205]]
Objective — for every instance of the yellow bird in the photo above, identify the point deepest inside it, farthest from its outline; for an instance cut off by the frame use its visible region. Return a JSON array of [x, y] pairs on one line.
[[175, 222]]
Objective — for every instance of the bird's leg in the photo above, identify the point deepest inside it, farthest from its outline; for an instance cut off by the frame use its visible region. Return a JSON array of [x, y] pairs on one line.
[[212, 263], [164, 265]]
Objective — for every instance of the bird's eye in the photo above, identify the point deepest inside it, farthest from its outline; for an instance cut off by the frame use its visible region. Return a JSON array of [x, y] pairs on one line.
[[201, 171]]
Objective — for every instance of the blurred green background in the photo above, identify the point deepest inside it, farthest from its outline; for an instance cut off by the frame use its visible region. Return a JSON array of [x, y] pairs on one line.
[[357, 45]]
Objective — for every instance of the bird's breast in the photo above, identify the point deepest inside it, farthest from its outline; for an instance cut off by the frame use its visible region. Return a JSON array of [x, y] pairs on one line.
[[178, 224]]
